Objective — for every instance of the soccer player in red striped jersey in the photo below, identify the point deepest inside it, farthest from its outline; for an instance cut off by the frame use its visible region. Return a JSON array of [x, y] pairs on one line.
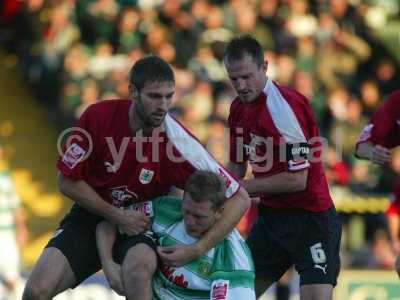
[[273, 129], [379, 136], [124, 153]]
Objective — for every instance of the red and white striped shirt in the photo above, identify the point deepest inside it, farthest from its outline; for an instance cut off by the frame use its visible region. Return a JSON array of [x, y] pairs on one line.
[[276, 133]]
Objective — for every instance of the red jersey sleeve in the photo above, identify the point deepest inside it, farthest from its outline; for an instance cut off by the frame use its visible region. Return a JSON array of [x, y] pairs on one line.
[[77, 153], [382, 123]]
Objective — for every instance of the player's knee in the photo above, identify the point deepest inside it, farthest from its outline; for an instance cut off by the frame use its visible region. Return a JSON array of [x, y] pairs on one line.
[[139, 270], [35, 291]]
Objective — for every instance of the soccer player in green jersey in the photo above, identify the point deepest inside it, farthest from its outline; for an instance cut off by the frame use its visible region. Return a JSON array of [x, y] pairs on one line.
[[224, 272]]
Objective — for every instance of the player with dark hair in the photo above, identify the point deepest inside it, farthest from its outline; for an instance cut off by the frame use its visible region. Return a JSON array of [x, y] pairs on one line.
[[273, 128], [124, 152], [379, 136]]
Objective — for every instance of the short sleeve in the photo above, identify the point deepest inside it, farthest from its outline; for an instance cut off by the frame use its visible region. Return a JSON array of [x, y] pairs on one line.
[[302, 140], [378, 129], [77, 153]]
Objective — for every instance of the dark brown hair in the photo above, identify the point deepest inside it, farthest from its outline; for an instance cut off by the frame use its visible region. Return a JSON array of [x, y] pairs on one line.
[[206, 186], [150, 69]]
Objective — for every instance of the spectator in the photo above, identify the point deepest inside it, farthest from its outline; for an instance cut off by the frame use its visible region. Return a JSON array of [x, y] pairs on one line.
[[13, 234]]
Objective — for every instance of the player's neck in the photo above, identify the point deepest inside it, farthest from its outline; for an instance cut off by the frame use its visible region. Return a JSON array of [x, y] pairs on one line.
[[263, 86], [137, 124]]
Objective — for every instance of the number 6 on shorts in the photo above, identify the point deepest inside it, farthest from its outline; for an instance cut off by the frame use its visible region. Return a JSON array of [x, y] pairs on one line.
[[318, 254]]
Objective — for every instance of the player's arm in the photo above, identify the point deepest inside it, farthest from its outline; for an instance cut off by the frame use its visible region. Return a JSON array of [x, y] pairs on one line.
[[375, 153], [105, 239], [77, 162], [284, 182], [238, 169], [372, 141], [129, 221], [234, 208]]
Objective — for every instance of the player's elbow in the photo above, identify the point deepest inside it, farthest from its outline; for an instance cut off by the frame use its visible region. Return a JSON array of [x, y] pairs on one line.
[[64, 184], [297, 181], [244, 197], [61, 183]]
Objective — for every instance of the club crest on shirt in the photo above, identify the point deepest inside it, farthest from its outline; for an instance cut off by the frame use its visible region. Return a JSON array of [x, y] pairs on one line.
[[146, 176], [121, 196], [204, 268], [255, 146]]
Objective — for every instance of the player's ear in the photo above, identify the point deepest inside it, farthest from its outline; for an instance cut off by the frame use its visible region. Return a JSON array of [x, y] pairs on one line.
[[218, 213], [265, 65]]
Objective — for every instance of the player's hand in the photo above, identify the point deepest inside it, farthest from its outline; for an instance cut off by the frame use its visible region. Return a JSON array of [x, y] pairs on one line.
[[113, 274], [133, 222], [177, 255], [380, 155]]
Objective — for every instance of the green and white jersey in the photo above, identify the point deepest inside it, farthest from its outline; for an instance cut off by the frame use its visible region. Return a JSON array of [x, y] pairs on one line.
[[9, 202], [224, 272]]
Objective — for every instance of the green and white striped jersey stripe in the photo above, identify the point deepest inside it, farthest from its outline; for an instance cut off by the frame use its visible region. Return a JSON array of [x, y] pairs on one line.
[[229, 261]]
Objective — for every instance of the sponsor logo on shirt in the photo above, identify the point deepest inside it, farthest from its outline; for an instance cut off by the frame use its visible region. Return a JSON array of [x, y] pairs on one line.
[[143, 207], [122, 196], [73, 155], [146, 176], [219, 289], [177, 279]]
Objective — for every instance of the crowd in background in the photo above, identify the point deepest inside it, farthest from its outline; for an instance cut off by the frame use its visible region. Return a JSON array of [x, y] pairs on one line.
[[74, 53]]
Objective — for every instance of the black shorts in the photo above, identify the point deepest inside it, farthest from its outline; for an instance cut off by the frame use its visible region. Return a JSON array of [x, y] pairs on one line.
[[308, 240], [76, 239]]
